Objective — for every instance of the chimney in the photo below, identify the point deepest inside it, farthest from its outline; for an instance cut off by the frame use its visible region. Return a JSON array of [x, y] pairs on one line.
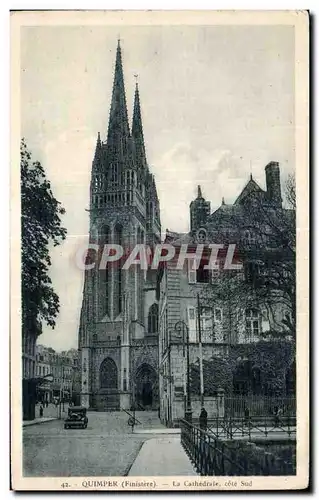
[[273, 183]]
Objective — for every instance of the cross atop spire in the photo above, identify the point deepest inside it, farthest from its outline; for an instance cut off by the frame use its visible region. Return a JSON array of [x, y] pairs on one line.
[[137, 128], [118, 131]]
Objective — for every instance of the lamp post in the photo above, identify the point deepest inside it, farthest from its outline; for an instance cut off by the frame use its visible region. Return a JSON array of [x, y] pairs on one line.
[[182, 329]]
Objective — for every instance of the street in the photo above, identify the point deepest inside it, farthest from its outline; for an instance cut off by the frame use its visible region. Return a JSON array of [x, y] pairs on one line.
[[106, 448]]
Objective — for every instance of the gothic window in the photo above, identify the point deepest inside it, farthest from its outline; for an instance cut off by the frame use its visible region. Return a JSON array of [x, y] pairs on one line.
[[108, 374], [118, 236], [153, 319], [104, 273]]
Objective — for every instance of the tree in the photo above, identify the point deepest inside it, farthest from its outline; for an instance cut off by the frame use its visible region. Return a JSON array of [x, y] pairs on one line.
[[40, 227], [272, 273], [265, 239], [217, 374]]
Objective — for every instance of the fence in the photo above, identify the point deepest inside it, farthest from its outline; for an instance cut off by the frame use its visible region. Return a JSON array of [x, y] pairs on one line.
[[215, 457], [253, 428], [259, 405]]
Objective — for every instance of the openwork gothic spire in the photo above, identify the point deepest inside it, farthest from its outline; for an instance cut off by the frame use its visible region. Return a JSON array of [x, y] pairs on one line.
[[137, 130], [118, 131]]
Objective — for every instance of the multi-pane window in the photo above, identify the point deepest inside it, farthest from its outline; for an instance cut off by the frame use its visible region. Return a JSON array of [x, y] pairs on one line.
[[218, 314], [191, 272], [252, 324], [192, 324], [202, 274], [207, 325], [199, 275], [249, 238], [210, 319]]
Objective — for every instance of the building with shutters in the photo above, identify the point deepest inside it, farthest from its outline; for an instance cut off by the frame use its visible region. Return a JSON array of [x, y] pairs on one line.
[[229, 323], [118, 333]]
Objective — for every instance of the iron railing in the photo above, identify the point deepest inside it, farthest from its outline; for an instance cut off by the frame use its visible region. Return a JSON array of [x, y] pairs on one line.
[[212, 456], [259, 405], [252, 428]]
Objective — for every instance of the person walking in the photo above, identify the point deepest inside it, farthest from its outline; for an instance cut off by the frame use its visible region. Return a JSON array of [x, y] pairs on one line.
[[203, 419], [277, 412], [41, 411], [247, 416]]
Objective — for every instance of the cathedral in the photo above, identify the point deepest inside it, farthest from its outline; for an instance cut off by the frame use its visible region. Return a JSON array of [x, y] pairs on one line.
[[118, 332]]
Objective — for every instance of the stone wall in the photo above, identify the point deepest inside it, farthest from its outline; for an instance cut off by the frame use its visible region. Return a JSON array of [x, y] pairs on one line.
[[214, 405]]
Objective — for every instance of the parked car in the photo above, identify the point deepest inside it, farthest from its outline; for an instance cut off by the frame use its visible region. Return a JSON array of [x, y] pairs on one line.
[[76, 418]]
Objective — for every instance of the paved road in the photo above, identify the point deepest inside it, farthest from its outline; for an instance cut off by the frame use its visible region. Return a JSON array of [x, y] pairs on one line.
[[106, 448]]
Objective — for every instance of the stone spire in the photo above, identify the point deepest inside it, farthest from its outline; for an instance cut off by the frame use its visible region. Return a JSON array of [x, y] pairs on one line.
[[199, 192], [137, 130], [98, 148], [118, 132]]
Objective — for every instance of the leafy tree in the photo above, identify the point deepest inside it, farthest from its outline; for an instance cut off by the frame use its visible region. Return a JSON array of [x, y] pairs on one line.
[[268, 278], [40, 226], [217, 374], [273, 277]]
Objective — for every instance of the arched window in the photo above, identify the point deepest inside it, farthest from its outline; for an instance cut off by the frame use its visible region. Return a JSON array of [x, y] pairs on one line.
[[153, 319], [104, 239], [118, 239], [108, 374]]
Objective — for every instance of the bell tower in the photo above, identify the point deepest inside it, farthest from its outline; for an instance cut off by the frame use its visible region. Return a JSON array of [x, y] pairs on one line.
[[112, 315]]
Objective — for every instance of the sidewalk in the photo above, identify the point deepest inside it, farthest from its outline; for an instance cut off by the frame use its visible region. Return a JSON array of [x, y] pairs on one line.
[[164, 430], [39, 420], [163, 456]]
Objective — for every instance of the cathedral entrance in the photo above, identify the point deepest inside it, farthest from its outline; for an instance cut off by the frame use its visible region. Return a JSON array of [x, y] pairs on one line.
[[146, 388]]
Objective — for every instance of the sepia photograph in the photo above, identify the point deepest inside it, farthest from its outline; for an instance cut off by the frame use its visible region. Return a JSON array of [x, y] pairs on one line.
[[159, 230]]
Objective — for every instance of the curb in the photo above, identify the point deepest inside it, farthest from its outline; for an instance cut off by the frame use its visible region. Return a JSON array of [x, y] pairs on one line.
[[49, 419]]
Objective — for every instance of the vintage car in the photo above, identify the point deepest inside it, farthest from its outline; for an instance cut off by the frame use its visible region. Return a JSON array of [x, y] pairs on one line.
[[76, 418]]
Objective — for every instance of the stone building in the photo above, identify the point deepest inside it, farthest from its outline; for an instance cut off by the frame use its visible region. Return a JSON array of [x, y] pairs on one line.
[[118, 338], [64, 368], [227, 322]]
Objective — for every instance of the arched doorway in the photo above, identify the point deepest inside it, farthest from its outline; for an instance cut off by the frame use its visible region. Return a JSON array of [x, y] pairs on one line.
[[146, 388]]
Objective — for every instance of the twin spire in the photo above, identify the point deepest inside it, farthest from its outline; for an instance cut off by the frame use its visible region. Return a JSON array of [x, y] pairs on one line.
[[119, 138]]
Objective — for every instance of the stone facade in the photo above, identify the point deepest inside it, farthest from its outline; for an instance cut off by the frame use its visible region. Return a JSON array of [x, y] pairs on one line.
[[224, 323], [118, 341], [64, 368]]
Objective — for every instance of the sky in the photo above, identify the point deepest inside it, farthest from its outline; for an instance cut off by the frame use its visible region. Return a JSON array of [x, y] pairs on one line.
[[217, 104]]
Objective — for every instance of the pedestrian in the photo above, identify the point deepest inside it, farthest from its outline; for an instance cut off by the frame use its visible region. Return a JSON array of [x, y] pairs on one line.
[[203, 419], [41, 411], [46, 403], [277, 413], [246, 415]]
